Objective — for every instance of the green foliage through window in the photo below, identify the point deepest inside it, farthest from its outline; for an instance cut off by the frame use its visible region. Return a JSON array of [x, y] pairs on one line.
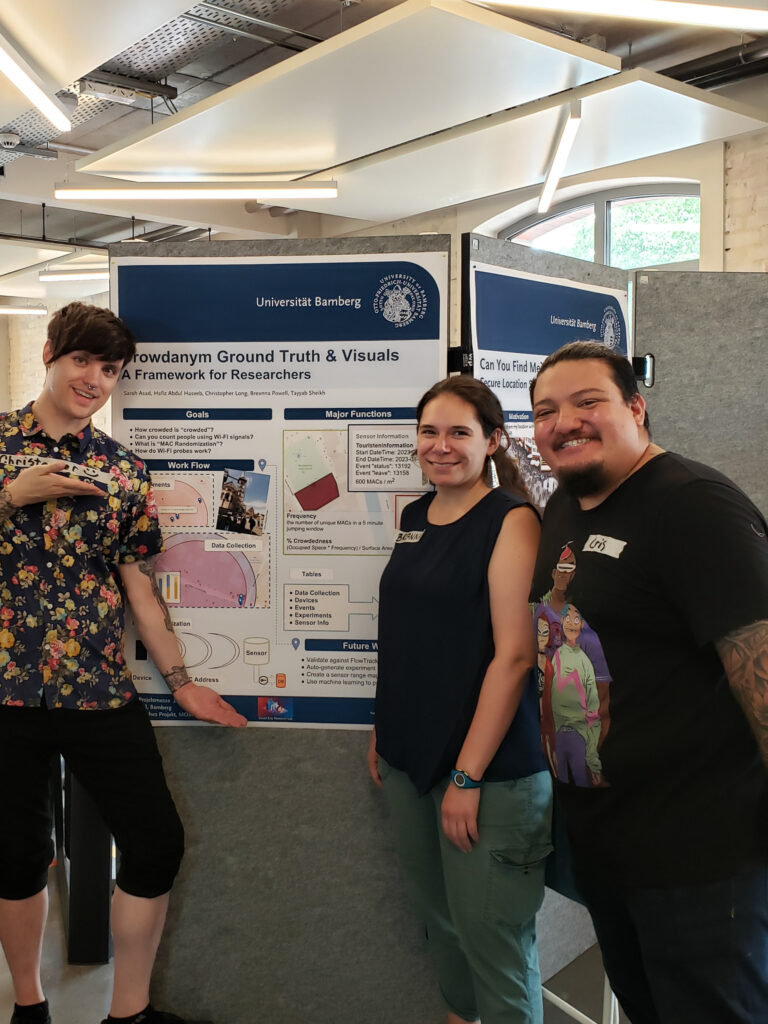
[[649, 232], [642, 230], [569, 236]]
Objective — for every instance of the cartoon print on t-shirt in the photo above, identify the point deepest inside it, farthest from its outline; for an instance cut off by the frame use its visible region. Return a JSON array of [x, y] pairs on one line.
[[545, 673], [575, 707], [574, 682]]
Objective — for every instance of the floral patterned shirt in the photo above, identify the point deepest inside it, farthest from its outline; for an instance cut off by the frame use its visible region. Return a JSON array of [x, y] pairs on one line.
[[61, 599]]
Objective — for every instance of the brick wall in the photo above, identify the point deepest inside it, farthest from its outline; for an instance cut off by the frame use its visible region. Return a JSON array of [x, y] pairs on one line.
[[746, 203]]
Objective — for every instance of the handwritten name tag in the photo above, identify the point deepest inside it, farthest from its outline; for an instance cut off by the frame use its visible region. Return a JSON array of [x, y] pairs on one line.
[[604, 545], [76, 469], [408, 536]]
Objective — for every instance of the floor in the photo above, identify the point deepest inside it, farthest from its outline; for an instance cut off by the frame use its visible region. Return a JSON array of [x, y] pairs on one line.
[[581, 985], [77, 995], [80, 995]]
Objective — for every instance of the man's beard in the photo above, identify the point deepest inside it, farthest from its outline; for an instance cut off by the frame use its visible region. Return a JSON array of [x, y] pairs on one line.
[[581, 483]]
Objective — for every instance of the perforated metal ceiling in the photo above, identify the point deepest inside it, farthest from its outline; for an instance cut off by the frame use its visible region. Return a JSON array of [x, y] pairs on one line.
[[180, 42], [34, 130], [172, 47]]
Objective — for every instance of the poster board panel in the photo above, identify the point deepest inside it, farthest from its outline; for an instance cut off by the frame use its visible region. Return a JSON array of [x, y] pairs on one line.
[[273, 398], [706, 332], [519, 306]]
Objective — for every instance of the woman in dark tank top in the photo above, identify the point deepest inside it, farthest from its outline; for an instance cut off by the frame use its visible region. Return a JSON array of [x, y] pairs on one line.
[[456, 743]]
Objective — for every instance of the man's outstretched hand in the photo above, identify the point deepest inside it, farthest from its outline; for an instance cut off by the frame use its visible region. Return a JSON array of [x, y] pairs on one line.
[[41, 483], [208, 706]]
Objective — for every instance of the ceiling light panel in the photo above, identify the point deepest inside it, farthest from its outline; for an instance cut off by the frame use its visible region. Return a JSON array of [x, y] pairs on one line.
[[198, 190], [73, 275], [29, 83], [668, 12]]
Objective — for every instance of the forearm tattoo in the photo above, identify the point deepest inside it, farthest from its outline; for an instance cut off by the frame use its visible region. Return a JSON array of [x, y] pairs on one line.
[[744, 654], [7, 507], [148, 568], [176, 677]]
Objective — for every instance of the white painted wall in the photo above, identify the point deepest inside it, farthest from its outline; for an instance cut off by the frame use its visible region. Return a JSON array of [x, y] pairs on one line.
[[5, 365], [26, 373]]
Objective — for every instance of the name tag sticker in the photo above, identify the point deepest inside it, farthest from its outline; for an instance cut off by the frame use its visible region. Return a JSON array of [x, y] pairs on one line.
[[604, 545], [408, 536], [76, 469]]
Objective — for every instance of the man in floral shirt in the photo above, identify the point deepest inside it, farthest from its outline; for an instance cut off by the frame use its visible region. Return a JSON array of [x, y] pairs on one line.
[[78, 534]]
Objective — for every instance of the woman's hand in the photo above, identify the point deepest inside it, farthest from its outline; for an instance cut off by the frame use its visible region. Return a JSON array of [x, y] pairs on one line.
[[372, 759], [459, 812]]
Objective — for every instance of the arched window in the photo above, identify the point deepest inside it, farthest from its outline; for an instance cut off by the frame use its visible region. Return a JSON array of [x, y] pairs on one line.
[[649, 225]]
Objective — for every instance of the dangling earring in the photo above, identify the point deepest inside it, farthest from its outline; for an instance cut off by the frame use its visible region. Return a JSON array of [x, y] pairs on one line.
[[493, 474]]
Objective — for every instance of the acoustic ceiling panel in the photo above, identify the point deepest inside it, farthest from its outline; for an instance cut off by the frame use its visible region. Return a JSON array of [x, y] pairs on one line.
[[64, 41], [630, 116], [15, 255], [420, 68]]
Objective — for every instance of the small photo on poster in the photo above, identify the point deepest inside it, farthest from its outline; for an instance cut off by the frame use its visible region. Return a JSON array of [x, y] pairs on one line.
[[538, 478], [243, 502]]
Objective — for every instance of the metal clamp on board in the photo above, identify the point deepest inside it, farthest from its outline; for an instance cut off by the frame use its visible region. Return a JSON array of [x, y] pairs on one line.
[[460, 360], [645, 369]]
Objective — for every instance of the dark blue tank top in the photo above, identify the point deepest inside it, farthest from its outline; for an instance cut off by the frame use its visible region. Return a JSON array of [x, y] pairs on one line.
[[436, 642]]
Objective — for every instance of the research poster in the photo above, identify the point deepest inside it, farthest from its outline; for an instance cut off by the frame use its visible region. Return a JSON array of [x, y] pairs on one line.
[[517, 319], [273, 400]]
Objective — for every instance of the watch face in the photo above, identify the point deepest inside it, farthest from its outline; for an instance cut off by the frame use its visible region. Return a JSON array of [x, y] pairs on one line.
[[460, 780]]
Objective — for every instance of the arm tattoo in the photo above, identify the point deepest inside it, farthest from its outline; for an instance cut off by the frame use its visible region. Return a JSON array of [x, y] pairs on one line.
[[7, 506], [176, 677], [744, 654], [148, 568]]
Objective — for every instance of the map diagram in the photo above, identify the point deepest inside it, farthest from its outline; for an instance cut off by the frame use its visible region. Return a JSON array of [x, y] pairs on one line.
[[184, 499], [315, 468], [204, 569]]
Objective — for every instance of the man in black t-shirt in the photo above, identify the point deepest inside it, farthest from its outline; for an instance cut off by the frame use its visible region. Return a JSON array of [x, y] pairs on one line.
[[670, 570]]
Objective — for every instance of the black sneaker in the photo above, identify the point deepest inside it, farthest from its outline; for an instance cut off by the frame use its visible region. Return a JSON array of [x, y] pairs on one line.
[[41, 1017], [153, 1016]]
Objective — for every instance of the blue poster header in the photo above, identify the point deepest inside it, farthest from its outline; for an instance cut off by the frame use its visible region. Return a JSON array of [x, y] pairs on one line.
[[401, 413], [519, 315], [378, 300], [197, 465], [346, 646], [197, 414]]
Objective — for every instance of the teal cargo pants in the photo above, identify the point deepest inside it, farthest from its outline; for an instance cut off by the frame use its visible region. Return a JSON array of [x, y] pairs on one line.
[[479, 908]]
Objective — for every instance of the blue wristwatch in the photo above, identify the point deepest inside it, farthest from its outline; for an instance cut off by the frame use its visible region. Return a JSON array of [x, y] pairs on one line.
[[464, 781]]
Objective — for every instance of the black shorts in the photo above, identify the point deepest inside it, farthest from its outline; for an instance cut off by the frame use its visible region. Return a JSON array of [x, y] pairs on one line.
[[114, 756]]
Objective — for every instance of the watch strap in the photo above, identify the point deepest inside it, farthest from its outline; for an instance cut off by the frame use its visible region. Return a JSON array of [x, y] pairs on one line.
[[462, 780]]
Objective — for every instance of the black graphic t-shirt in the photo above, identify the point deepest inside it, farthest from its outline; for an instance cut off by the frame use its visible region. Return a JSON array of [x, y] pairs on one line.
[[659, 772]]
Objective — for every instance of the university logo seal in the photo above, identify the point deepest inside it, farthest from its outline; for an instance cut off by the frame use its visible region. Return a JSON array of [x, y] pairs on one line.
[[400, 299], [610, 328]]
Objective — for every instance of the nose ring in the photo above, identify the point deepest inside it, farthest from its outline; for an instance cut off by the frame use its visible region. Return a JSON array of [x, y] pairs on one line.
[[91, 387]]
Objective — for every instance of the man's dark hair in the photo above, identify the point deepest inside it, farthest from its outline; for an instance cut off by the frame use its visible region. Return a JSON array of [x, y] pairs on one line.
[[621, 368], [78, 327]]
